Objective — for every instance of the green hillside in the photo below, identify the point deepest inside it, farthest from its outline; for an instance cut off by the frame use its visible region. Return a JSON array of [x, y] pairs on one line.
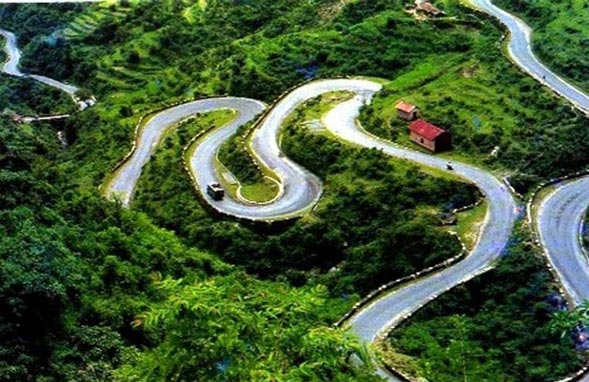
[[166, 291]]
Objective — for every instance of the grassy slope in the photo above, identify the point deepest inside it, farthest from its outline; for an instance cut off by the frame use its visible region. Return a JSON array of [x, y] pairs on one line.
[[485, 103]]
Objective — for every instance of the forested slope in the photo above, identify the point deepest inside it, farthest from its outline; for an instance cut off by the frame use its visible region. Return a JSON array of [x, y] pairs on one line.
[[77, 271], [134, 300]]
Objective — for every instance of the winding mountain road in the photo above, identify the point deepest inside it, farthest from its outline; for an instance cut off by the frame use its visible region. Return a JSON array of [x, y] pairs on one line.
[[11, 65], [302, 189], [391, 309], [11, 48], [520, 50], [125, 179], [560, 215], [558, 219]]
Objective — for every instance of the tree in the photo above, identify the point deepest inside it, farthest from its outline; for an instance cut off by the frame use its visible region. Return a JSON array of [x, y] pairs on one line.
[[236, 328]]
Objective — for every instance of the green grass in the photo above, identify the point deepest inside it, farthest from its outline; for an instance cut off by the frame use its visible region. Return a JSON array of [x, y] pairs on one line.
[[264, 191], [470, 223]]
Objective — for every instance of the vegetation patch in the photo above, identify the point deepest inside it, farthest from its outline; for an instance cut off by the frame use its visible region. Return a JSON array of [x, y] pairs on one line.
[[497, 119], [496, 327], [25, 96], [469, 224], [254, 182]]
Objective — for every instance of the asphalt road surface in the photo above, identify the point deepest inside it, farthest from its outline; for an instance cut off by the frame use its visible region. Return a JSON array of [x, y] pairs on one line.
[[126, 177], [11, 65], [11, 49], [300, 189], [520, 50], [560, 220]]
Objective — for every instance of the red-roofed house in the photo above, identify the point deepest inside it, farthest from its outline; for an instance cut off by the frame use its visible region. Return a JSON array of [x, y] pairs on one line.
[[406, 110], [430, 136]]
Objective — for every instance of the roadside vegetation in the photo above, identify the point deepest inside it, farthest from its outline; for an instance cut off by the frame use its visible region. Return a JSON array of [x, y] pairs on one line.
[[92, 292], [561, 34], [380, 201], [476, 331], [25, 96], [123, 293]]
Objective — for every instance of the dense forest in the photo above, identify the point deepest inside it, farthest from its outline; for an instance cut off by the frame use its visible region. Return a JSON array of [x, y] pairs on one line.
[[92, 292], [166, 290]]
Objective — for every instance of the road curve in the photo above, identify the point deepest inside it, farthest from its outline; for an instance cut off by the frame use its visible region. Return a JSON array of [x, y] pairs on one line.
[[520, 50], [126, 177], [389, 310], [559, 218], [300, 189], [559, 221], [11, 65], [11, 48]]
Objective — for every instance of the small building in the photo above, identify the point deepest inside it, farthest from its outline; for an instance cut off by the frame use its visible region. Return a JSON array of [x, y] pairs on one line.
[[430, 136], [428, 8], [17, 118], [407, 111]]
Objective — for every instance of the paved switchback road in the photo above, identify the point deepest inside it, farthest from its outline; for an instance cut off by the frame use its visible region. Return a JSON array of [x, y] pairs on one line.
[[520, 50], [126, 177], [11, 65], [389, 310], [300, 189]]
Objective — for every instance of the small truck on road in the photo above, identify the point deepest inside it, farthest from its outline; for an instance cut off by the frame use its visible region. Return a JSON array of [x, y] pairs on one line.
[[215, 191]]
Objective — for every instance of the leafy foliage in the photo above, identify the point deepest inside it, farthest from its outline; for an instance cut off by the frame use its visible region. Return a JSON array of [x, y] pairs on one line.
[[495, 328], [240, 329]]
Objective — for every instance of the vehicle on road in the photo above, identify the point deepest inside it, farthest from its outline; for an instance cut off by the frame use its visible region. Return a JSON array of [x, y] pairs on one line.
[[449, 166], [215, 191]]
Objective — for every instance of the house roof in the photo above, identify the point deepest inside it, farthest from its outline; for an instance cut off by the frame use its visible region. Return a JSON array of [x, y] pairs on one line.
[[426, 129], [405, 107]]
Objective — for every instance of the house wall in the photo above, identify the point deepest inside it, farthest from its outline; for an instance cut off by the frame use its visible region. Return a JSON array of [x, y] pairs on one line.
[[443, 142], [407, 116], [430, 145]]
